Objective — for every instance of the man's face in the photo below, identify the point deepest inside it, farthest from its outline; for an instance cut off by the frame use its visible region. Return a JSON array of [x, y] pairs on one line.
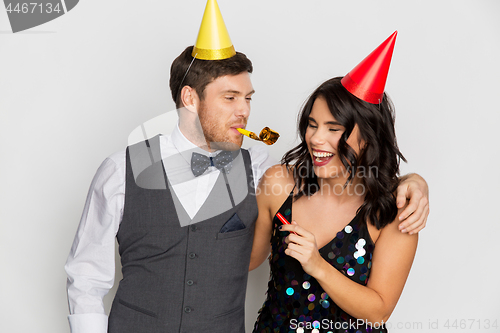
[[226, 107]]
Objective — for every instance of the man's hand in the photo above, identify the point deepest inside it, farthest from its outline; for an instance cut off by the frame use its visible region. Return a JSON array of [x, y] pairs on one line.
[[414, 188]]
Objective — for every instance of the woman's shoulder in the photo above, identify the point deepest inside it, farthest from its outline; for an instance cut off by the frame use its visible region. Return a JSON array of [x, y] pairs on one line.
[[279, 174], [277, 182], [391, 230]]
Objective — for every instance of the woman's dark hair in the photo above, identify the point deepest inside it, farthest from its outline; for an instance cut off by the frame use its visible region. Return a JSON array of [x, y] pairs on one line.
[[378, 161], [202, 72]]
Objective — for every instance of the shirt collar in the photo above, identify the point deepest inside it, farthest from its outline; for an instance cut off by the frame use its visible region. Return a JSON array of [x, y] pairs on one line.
[[181, 143], [186, 147]]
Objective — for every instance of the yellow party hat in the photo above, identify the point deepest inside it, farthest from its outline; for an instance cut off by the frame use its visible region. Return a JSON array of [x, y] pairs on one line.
[[213, 41]]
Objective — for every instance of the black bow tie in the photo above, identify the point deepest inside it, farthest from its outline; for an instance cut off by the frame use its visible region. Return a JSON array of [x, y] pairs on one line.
[[200, 163]]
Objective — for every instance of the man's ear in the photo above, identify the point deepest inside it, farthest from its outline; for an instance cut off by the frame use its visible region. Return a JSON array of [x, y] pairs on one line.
[[190, 99]]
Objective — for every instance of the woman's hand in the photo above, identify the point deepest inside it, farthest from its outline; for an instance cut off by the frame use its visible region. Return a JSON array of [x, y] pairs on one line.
[[301, 245]]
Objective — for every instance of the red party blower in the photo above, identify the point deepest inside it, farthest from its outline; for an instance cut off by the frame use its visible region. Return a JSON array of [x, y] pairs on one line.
[[283, 219]]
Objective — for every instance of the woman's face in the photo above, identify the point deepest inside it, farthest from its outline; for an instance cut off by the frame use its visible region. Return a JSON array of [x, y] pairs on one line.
[[322, 137]]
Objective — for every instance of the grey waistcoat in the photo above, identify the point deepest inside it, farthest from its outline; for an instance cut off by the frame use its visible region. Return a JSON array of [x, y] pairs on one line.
[[181, 279]]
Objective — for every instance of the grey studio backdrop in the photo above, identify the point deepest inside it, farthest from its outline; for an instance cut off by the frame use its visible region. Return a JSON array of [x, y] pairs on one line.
[[73, 90]]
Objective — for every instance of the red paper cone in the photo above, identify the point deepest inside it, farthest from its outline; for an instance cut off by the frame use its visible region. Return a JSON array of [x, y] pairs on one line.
[[367, 80]]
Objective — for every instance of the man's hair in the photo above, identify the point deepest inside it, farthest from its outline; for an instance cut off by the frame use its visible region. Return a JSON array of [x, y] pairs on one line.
[[202, 72]]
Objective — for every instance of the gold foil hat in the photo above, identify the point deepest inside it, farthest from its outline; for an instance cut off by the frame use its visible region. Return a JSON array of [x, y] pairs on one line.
[[213, 42]]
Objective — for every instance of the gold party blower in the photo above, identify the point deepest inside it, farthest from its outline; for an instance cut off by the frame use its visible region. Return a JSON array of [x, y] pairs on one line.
[[267, 135]]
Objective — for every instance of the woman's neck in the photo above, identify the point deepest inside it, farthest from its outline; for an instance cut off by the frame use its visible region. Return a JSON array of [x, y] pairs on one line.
[[337, 189]]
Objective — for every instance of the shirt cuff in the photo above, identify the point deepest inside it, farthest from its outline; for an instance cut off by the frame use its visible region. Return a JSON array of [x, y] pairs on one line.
[[88, 323]]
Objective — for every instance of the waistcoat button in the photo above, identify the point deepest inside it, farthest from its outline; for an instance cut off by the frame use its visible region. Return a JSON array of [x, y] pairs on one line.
[[194, 228], [189, 282], [192, 255], [188, 309]]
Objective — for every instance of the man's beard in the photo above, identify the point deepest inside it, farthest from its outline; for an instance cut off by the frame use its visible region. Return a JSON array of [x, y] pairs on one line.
[[217, 134]]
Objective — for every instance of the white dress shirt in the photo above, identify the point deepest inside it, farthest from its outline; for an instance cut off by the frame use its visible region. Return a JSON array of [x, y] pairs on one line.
[[91, 263]]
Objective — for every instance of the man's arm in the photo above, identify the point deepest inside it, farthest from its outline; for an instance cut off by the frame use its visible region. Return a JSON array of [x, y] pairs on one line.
[[91, 264], [414, 217], [261, 161]]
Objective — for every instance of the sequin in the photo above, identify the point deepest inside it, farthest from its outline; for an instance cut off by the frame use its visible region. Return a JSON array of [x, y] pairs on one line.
[[294, 294], [288, 211], [361, 242]]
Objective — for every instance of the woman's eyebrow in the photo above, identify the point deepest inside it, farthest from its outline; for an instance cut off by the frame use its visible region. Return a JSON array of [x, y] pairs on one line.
[[333, 123], [326, 122]]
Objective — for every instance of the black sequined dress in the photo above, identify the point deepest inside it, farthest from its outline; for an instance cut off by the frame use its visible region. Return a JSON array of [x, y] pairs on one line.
[[296, 302]]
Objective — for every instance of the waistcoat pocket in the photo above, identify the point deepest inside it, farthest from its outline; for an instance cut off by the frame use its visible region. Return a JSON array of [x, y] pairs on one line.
[[230, 312], [137, 308], [232, 234]]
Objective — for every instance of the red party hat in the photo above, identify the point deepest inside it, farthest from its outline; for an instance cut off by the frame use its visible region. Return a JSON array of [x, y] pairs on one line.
[[367, 80]]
